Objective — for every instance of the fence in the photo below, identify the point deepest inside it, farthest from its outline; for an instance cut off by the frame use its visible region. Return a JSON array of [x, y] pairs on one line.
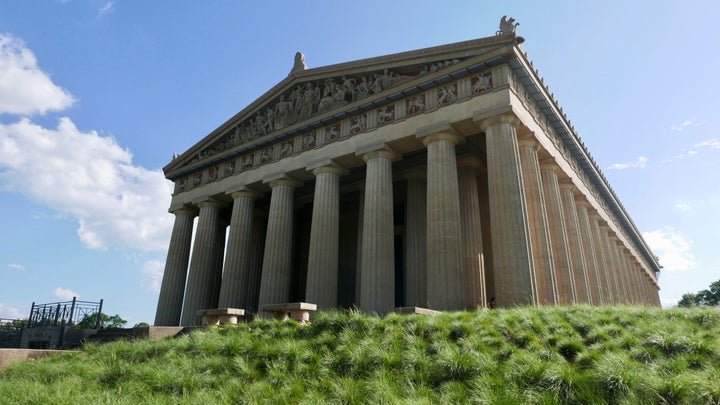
[[67, 313]]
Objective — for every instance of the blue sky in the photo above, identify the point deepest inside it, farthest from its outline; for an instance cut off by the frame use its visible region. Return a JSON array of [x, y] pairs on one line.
[[96, 95]]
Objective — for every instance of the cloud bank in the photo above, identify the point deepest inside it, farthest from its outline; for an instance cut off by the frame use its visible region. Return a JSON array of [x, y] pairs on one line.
[[80, 173], [24, 88], [672, 248]]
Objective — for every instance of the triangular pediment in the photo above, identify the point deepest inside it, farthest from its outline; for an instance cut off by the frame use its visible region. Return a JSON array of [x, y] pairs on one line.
[[311, 98]]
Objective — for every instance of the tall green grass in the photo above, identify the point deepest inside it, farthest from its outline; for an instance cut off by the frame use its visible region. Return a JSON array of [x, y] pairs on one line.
[[554, 355]]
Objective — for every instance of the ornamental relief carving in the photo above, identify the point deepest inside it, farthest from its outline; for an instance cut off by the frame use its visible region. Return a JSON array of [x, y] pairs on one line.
[[308, 99], [355, 125]]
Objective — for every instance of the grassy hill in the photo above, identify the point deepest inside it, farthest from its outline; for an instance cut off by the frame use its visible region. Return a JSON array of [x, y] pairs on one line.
[[505, 356]]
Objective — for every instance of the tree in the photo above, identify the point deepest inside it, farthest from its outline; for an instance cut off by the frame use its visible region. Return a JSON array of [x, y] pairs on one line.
[[709, 297], [106, 321]]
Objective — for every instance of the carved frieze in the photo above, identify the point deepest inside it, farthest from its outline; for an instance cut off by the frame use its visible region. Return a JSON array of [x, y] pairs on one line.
[[312, 98], [357, 124]]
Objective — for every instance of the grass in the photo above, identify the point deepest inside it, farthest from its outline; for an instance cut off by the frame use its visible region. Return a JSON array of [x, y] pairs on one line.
[[554, 355]]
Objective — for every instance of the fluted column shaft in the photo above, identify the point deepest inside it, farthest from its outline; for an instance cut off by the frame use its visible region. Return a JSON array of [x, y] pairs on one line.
[[322, 274], [444, 250], [377, 275], [619, 270], [602, 258], [609, 262], [202, 276], [236, 273], [513, 269], [277, 258], [170, 301], [539, 228], [558, 236], [473, 259], [577, 255], [588, 241], [415, 242], [257, 249], [630, 277]]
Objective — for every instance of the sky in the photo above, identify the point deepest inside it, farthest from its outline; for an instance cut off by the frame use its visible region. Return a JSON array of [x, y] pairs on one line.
[[97, 95]]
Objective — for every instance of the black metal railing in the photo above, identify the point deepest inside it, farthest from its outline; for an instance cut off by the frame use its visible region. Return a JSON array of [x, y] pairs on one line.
[[10, 332], [67, 313]]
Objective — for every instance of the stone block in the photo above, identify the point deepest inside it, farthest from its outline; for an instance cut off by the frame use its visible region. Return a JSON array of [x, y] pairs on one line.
[[416, 310], [297, 311], [220, 316]]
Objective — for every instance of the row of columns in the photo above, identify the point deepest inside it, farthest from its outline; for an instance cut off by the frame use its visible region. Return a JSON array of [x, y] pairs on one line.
[[549, 246]]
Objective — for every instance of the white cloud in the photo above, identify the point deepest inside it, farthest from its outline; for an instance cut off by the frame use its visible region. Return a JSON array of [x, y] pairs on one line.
[[710, 143], [11, 312], [152, 273], [682, 126], [65, 294], [106, 9], [89, 177], [638, 163], [24, 88], [80, 174], [683, 206], [672, 248], [15, 266]]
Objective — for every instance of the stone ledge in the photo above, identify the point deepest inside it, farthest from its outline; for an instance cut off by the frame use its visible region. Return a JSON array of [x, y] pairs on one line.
[[298, 311], [416, 310], [9, 356], [220, 316]]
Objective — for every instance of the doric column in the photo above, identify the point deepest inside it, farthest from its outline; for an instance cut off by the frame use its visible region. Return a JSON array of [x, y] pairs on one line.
[[631, 280], [257, 249], [588, 242], [558, 235], [234, 291], [377, 274], [277, 258], [577, 255], [609, 262], [539, 228], [322, 273], [513, 269], [415, 239], [444, 249], [620, 270], [172, 289], [473, 259], [601, 257], [358, 262], [200, 292]]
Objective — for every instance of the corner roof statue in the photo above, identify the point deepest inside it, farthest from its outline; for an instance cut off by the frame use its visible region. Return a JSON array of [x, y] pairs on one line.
[[451, 169], [507, 26], [299, 64]]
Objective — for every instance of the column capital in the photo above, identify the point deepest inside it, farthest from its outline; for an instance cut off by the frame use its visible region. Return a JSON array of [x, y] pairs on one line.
[[210, 202], [187, 210], [441, 131], [549, 164], [468, 162], [506, 118], [442, 136], [528, 142], [377, 150], [329, 168], [245, 193], [282, 179], [413, 173], [566, 184]]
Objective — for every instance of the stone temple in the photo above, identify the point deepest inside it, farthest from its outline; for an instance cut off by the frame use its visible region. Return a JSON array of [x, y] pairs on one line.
[[445, 178]]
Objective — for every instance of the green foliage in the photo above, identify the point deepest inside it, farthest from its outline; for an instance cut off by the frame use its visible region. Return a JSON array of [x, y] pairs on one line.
[[106, 321], [709, 297], [556, 355]]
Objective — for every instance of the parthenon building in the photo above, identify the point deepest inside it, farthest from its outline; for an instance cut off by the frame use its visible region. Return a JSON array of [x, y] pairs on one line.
[[440, 178]]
